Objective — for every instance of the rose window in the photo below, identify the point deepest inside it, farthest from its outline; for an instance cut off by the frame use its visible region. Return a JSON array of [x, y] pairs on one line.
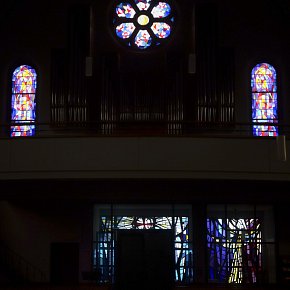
[[143, 23]]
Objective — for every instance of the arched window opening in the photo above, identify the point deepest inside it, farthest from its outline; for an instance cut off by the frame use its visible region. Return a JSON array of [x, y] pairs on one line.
[[23, 102], [264, 100]]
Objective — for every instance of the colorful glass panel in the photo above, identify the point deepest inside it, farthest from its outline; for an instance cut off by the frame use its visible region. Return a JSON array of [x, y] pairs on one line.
[[161, 29], [23, 101], [161, 10], [143, 39], [264, 100], [183, 252], [234, 250], [125, 30], [144, 30], [125, 10], [143, 4]]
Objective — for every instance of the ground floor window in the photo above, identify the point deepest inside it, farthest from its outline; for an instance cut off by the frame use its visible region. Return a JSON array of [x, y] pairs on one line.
[[109, 219], [240, 244], [233, 243]]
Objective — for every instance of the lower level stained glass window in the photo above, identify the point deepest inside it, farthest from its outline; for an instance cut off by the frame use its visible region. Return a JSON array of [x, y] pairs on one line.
[[105, 256], [240, 244], [234, 250]]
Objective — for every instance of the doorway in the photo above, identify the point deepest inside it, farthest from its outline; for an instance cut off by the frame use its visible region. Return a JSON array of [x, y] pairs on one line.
[[111, 219], [144, 259], [64, 263]]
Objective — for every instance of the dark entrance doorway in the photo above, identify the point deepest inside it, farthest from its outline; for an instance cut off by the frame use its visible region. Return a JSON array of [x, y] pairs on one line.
[[144, 259], [64, 263]]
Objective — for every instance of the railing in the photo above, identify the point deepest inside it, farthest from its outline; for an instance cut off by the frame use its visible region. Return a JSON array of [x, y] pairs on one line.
[[147, 128], [17, 268]]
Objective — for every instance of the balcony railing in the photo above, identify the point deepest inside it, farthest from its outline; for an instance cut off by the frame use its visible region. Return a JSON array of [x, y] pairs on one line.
[[147, 128]]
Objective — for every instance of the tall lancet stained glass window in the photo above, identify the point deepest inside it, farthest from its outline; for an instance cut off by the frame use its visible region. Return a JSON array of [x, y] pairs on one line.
[[143, 24], [234, 250], [264, 100], [23, 101]]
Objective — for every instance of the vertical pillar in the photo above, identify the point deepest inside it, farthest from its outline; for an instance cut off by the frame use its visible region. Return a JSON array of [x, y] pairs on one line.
[[199, 242]]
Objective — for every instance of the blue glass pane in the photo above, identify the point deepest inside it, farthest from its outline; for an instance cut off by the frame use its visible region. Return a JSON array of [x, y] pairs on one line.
[[143, 4], [161, 29], [265, 130], [125, 10], [125, 30], [161, 10], [143, 39], [22, 131]]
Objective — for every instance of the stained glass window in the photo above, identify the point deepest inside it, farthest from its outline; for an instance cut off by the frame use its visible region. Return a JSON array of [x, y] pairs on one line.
[[241, 244], [183, 252], [264, 100], [23, 101], [234, 250], [143, 23]]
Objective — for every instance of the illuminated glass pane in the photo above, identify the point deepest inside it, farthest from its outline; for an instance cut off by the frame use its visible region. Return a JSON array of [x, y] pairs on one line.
[[125, 30], [22, 131], [183, 253], [262, 115], [161, 29], [143, 20], [264, 100], [150, 32], [143, 4], [23, 115], [263, 78], [125, 10], [23, 101], [234, 250], [143, 39], [161, 10], [265, 130]]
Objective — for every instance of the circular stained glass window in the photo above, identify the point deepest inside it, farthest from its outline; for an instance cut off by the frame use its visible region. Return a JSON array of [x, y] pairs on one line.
[[143, 24]]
